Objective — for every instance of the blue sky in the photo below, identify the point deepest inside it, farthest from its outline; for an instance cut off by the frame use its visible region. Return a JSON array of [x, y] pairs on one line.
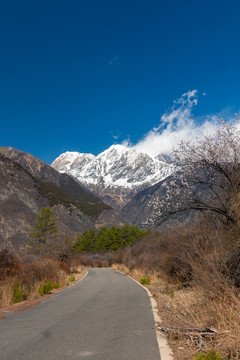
[[82, 75]]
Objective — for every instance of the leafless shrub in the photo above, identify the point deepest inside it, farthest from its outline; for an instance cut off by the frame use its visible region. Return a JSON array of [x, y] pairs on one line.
[[86, 260], [231, 266], [178, 270], [29, 274], [208, 180], [195, 271], [9, 264]]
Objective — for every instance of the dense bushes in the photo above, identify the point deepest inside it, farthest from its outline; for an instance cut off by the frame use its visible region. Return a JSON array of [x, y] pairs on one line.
[[21, 276], [231, 266], [9, 263], [107, 239], [178, 270], [180, 256], [195, 272]]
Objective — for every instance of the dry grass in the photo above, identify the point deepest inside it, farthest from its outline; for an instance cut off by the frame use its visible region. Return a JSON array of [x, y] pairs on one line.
[[189, 275], [30, 273], [135, 273], [6, 292]]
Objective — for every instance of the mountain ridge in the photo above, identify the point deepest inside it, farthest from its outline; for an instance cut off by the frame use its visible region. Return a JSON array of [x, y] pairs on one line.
[[27, 184], [117, 174]]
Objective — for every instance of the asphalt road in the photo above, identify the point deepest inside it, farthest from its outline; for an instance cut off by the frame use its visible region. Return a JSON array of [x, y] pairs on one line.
[[107, 316]]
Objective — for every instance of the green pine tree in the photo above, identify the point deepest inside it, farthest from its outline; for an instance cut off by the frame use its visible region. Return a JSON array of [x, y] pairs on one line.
[[45, 228], [86, 242], [105, 239]]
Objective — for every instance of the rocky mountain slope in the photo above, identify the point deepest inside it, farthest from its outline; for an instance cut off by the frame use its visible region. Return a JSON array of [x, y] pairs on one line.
[[27, 184], [172, 201], [115, 175], [46, 174], [148, 208]]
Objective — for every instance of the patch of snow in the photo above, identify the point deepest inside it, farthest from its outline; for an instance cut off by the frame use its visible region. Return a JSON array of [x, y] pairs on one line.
[[118, 167]]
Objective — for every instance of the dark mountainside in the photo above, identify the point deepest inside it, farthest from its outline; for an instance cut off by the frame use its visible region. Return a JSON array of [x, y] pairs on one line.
[[27, 184], [45, 173]]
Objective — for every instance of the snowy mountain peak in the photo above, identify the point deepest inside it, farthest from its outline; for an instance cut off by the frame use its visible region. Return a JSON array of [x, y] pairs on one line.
[[116, 174], [68, 160], [114, 149]]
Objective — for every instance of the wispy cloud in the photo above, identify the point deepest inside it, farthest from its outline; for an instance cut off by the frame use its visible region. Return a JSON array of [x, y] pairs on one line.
[[113, 61], [175, 125], [115, 135], [127, 142]]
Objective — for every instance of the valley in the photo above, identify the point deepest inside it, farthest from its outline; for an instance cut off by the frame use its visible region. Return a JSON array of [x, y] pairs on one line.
[[171, 225]]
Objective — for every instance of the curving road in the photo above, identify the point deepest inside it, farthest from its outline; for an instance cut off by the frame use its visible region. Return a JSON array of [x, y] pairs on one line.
[[107, 316]]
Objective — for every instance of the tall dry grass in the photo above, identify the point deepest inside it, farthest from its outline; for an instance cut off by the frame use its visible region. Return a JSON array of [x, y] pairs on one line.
[[29, 273], [195, 272]]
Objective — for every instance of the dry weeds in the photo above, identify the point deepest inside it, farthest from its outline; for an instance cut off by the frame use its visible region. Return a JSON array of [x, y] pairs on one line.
[[30, 274], [192, 288]]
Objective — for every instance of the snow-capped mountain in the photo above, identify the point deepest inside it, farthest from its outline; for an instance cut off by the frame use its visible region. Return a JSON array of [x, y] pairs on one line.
[[116, 174]]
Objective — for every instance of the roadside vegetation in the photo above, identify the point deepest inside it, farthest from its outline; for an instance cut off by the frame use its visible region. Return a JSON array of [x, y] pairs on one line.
[[194, 275], [46, 265], [22, 276], [53, 260]]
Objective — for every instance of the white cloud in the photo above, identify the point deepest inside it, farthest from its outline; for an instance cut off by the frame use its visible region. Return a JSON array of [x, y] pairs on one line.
[[127, 142], [114, 60], [176, 125]]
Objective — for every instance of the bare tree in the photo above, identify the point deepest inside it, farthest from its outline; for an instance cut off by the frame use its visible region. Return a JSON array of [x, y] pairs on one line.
[[61, 247], [209, 175]]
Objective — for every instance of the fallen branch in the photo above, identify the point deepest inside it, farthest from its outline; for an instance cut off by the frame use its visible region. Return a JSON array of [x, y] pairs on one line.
[[192, 332]]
